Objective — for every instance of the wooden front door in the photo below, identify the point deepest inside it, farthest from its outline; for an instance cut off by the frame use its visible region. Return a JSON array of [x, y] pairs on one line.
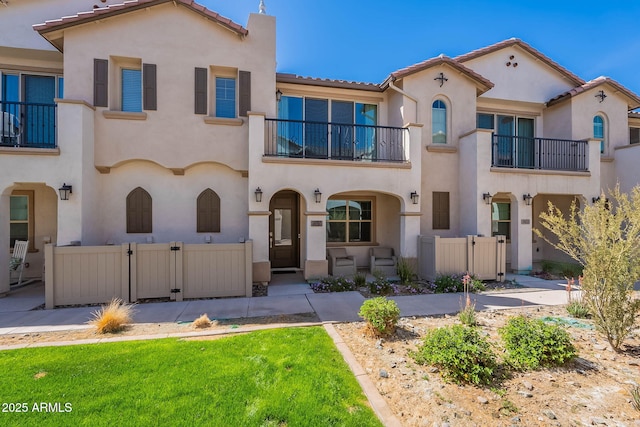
[[284, 230]]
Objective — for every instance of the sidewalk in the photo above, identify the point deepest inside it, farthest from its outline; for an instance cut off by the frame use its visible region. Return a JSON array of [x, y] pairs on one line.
[[288, 294]]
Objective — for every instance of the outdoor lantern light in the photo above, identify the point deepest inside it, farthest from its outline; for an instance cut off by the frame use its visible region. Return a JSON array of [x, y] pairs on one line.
[[258, 195], [527, 199], [415, 197], [278, 95], [65, 190], [487, 198], [318, 195]]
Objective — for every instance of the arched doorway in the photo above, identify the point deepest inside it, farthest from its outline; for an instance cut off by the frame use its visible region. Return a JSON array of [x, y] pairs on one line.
[[284, 230]]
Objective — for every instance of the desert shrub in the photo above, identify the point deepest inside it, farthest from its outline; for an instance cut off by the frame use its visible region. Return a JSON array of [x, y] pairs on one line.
[[532, 343], [333, 284], [360, 279], [112, 317], [446, 283], [381, 315], [578, 309], [605, 239], [635, 395], [381, 285], [406, 272], [461, 353], [202, 322], [467, 315]]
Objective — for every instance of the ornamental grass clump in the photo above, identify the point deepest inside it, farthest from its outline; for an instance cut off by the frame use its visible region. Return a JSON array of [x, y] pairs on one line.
[[381, 315], [532, 344], [461, 353], [113, 317], [202, 322]]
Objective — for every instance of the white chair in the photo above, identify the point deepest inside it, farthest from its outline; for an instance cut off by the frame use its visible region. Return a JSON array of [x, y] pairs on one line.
[[340, 263], [17, 259], [383, 260]]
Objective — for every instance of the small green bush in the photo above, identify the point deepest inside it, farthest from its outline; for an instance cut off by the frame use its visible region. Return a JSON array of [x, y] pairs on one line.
[[405, 271], [461, 353], [381, 285], [578, 310], [447, 283], [532, 343], [381, 314], [467, 315], [360, 279]]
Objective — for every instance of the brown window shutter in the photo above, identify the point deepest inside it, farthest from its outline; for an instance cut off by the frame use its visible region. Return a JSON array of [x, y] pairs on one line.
[[149, 87], [208, 211], [244, 85], [100, 82], [201, 91], [139, 213], [440, 207]]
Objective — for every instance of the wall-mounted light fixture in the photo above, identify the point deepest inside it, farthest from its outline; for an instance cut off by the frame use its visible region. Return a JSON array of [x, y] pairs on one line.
[[318, 195], [415, 197], [487, 198], [258, 195], [278, 95], [595, 199], [527, 199], [64, 191], [601, 95]]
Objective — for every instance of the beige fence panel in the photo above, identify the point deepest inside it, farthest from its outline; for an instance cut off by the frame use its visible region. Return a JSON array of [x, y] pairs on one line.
[[150, 270], [216, 270], [84, 275], [482, 256]]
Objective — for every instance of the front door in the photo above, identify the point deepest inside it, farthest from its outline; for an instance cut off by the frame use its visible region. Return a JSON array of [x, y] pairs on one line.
[[284, 230]]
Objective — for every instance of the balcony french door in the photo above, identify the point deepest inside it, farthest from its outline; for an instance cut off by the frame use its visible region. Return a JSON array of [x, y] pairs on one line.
[[520, 154]]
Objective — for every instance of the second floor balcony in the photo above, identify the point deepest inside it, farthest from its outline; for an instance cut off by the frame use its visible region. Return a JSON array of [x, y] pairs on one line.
[[539, 153], [335, 141], [30, 125]]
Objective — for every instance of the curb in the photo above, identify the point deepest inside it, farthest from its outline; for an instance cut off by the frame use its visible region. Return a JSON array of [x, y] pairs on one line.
[[378, 404]]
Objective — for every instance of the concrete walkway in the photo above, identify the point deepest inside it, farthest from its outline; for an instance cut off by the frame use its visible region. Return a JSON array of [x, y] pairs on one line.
[[287, 294]]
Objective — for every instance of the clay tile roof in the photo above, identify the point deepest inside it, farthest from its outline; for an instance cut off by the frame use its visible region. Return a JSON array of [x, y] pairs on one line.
[[343, 84], [132, 5], [483, 83], [514, 41], [632, 99]]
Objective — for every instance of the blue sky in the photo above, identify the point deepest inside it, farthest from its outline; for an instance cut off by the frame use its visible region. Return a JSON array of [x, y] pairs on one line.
[[366, 40]]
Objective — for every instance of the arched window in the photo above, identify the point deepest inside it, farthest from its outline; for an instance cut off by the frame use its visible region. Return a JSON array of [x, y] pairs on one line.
[[208, 212], [439, 122], [139, 218], [598, 131]]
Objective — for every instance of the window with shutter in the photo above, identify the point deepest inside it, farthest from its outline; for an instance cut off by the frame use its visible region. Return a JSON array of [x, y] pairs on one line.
[[225, 97], [440, 207], [139, 214], [131, 90], [208, 212]]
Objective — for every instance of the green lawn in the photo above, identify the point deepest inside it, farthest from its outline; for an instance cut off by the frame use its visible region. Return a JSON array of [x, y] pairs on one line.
[[284, 377]]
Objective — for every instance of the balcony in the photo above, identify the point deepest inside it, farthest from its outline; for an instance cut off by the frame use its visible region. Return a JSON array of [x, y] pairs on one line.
[[335, 141], [539, 153], [30, 125]]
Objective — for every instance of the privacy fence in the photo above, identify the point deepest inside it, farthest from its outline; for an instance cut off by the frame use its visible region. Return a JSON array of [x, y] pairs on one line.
[[135, 271], [484, 257]]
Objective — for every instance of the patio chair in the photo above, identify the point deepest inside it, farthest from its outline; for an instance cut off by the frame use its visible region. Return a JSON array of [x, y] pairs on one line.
[[17, 259], [340, 263], [383, 260]]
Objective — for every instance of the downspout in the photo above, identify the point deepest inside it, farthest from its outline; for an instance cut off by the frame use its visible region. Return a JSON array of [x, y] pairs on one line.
[[402, 92]]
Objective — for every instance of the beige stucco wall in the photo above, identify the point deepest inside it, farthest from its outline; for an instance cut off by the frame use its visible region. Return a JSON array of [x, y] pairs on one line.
[[627, 159], [530, 81], [173, 203], [17, 18], [177, 40]]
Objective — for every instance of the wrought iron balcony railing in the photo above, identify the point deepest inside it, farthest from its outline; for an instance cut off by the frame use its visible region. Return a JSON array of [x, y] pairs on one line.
[[336, 141], [24, 124], [539, 153]]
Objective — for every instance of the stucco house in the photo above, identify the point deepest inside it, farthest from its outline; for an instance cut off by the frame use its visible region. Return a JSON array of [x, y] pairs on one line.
[[170, 123]]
